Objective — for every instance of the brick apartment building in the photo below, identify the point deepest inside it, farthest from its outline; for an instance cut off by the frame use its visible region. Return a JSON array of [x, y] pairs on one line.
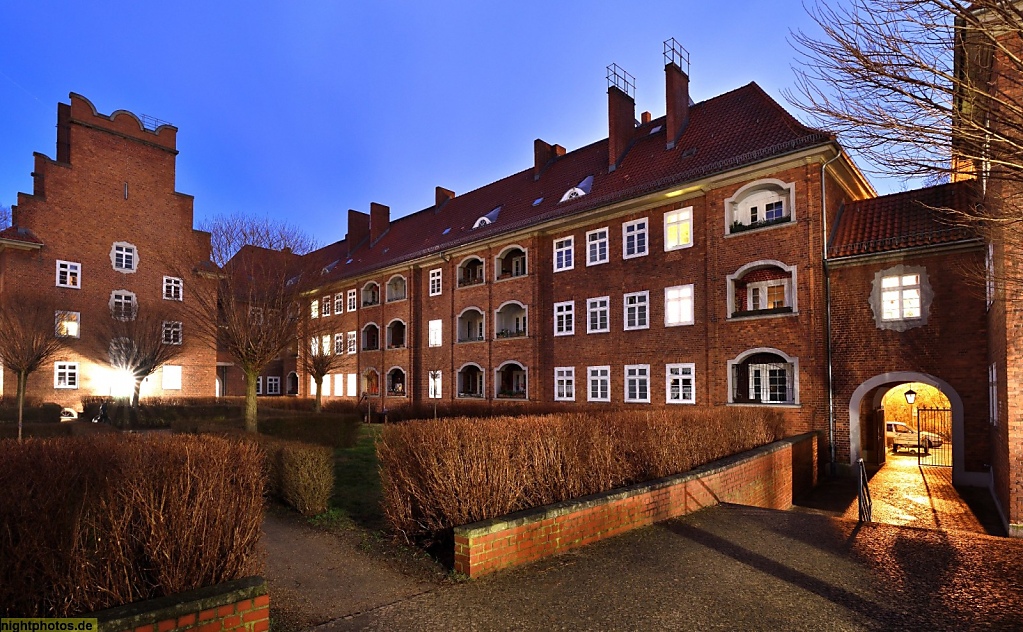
[[95, 235], [723, 254]]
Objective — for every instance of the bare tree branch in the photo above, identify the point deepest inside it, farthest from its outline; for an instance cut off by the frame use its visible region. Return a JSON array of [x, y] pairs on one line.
[[231, 232], [5, 216]]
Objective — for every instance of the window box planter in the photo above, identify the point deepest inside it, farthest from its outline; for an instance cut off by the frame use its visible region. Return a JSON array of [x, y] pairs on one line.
[[739, 227]]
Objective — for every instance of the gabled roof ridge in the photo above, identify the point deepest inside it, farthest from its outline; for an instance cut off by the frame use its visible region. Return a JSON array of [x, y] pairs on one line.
[[799, 125]]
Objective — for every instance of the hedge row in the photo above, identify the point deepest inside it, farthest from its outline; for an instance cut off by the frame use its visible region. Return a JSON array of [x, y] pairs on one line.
[[440, 474], [33, 412], [92, 523], [298, 474]]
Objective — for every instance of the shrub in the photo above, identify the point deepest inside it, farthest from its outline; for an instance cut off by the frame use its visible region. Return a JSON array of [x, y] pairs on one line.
[[92, 523], [443, 473], [299, 474], [33, 412]]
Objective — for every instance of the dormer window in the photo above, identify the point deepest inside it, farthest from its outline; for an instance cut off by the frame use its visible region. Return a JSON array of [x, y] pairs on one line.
[[759, 205], [483, 221], [579, 190], [487, 219]]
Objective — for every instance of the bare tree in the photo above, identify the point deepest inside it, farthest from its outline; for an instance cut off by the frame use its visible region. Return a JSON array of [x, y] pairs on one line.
[[138, 341], [926, 89], [5, 216], [321, 356], [28, 339], [229, 233]]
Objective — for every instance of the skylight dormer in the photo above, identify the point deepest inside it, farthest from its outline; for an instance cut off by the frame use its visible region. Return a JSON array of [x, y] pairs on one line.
[[579, 190], [487, 219]]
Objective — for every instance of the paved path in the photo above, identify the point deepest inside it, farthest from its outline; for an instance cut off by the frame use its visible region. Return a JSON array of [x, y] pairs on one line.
[[732, 567]]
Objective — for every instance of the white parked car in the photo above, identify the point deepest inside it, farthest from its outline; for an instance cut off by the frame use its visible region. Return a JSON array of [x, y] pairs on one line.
[[901, 435]]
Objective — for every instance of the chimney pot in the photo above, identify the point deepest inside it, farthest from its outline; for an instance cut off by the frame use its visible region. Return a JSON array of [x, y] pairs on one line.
[[442, 196], [645, 117], [543, 155]]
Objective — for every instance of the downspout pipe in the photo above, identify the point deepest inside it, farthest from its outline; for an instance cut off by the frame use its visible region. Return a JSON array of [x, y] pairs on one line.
[[833, 465]]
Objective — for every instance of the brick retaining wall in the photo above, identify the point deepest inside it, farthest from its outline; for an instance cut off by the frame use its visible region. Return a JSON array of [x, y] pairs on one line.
[[242, 604], [765, 477]]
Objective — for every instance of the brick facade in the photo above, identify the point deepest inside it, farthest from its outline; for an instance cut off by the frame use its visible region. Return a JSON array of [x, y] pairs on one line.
[[241, 604]]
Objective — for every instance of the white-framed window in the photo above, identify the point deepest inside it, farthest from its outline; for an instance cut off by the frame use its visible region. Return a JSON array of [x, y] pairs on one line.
[[314, 346], [678, 305], [171, 377], [124, 257], [339, 303], [339, 384], [989, 269], [434, 391], [992, 393], [634, 239], [680, 386], [900, 297], [122, 305], [325, 304], [678, 229], [769, 383], [69, 274], [637, 383], [339, 344], [273, 385], [352, 300], [636, 306], [773, 294], [172, 332], [436, 287], [172, 287], [564, 318], [65, 375], [596, 247], [763, 376], [435, 333], [352, 339], [353, 384], [259, 385], [564, 384], [758, 205], [564, 254], [325, 344], [314, 308], [598, 383], [68, 324], [598, 315]]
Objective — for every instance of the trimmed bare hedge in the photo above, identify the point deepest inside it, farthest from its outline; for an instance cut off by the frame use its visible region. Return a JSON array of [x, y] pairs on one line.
[[449, 472], [300, 475], [97, 522]]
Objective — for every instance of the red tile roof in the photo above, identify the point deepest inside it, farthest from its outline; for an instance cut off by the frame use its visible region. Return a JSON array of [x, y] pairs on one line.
[[13, 233], [740, 127], [902, 220]]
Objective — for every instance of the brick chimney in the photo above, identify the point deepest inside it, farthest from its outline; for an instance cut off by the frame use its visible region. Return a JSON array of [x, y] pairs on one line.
[[645, 117], [443, 195], [544, 155], [676, 91], [621, 114], [358, 230], [379, 221]]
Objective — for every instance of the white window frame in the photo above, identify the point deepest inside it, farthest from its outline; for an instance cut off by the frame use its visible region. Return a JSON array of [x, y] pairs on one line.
[[314, 308], [339, 303], [992, 393], [273, 385], [126, 253], [643, 306], [564, 253], [435, 383], [69, 372], [436, 281], [325, 344], [564, 318], [598, 240], [72, 273], [259, 385], [436, 333], [792, 377], [761, 192], [678, 218], [352, 342], [635, 236], [353, 300], [686, 294], [564, 383], [597, 375], [903, 290], [339, 344], [117, 298], [170, 377], [791, 296], [173, 289], [682, 368], [593, 306], [61, 316], [352, 384], [171, 332], [762, 288], [641, 378], [325, 304]]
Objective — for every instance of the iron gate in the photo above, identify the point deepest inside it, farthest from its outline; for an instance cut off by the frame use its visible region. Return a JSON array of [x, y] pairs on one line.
[[934, 435]]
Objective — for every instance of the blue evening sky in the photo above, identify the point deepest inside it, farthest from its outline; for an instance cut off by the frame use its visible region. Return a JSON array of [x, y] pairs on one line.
[[302, 110]]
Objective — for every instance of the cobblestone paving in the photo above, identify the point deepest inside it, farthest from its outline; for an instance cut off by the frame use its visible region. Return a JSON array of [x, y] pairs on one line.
[[740, 568]]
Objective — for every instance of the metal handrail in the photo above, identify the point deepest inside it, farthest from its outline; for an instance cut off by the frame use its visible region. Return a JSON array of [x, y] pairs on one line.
[[866, 504]]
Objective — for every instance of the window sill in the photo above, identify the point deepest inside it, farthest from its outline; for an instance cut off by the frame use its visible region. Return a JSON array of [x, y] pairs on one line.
[[763, 313], [397, 300], [468, 340], [470, 396], [470, 283], [765, 405], [395, 394], [521, 396], [509, 277], [371, 304], [635, 256], [511, 334], [389, 347], [729, 232]]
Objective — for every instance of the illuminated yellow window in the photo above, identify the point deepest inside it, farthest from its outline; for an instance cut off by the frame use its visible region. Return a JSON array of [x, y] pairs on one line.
[[68, 324], [678, 229]]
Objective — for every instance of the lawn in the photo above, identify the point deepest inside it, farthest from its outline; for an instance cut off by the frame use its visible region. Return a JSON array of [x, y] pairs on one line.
[[357, 493]]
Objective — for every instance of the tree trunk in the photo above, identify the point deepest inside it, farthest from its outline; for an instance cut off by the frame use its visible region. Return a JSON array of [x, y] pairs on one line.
[[133, 413], [250, 401], [22, 385], [317, 407]]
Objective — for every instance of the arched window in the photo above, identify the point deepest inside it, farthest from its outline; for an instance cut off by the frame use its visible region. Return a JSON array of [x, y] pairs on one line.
[[371, 382], [760, 204], [396, 334], [470, 381], [763, 376], [370, 337], [471, 325], [371, 294], [396, 382], [511, 381], [396, 289], [762, 288], [511, 263], [292, 383], [470, 272], [511, 320]]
